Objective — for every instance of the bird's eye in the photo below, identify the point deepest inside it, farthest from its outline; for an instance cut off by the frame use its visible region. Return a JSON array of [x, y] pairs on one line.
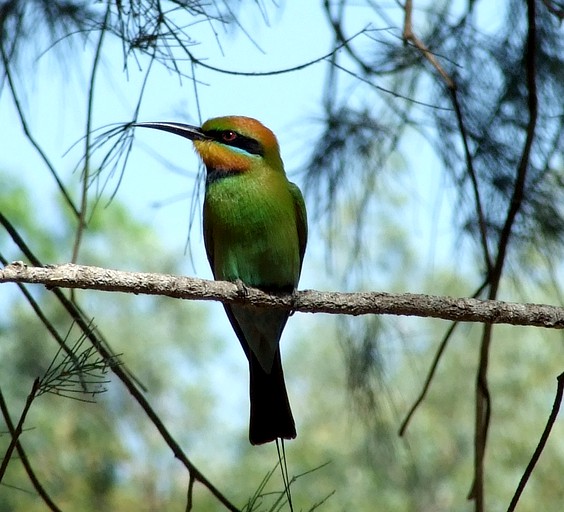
[[228, 136]]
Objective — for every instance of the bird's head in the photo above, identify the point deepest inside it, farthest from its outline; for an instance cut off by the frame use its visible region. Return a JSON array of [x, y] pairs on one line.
[[231, 143]]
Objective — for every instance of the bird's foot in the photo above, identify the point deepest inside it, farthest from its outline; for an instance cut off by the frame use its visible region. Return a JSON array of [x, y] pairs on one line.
[[294, 301], [242, 288]]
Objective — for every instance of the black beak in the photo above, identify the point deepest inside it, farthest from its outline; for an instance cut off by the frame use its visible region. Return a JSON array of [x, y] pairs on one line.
[[184, 130]]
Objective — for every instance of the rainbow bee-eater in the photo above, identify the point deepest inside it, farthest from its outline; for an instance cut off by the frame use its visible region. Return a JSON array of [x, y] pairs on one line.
[[255, 233]]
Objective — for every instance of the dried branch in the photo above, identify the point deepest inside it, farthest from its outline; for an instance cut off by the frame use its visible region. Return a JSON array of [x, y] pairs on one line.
[[190, 493], [430, 374], [306, 301], [410, 36], [283, 71]]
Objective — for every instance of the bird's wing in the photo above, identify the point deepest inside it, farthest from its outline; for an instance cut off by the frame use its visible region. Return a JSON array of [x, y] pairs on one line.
[[301, 218], [208, 237]]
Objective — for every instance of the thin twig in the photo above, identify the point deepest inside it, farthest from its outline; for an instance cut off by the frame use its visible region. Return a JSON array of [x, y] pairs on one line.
[[482, 224], [298, 67], [190, 493], [429, 378], [409, 35], [30, 137], [541, 444], [18, 429], [44, 495], [481, 420], [557, 11], [87, 141], [431, 372]]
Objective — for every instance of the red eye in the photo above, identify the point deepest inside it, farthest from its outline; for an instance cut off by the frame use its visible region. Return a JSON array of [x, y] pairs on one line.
[[228, 136]]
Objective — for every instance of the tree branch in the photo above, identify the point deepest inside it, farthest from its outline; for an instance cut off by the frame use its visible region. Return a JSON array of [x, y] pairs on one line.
[[306, 301]]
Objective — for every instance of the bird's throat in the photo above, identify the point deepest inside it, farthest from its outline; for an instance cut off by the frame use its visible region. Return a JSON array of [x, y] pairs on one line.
[[218, 174]]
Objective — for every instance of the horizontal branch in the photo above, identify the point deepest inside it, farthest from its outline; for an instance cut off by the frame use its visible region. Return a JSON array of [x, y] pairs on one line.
[[306, 301]]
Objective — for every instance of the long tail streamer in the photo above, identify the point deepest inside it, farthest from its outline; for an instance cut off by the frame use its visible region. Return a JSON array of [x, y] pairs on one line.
[[281, 449]]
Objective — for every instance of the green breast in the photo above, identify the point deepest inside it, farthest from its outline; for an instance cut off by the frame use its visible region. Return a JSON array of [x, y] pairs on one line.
[[250, 229]]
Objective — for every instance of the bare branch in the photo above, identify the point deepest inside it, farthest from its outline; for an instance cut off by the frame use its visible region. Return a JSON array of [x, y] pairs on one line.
[[409, 35], [306, 301], [434, 365], [282, 71], [24, 459], [18, 429], [541, 444]]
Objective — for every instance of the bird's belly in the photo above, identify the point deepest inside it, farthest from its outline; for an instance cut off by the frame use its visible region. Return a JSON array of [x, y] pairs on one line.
[[252, 227], [260, 255]]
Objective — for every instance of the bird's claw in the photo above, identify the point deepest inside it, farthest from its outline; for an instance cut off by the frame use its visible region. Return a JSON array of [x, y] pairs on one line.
[[293, 301], [242, 288]]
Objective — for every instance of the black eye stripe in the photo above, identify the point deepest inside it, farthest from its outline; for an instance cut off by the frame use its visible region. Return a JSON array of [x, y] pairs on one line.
[[240, 141]]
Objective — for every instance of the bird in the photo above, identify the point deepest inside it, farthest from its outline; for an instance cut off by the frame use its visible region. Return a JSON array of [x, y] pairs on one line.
[[255, 234]]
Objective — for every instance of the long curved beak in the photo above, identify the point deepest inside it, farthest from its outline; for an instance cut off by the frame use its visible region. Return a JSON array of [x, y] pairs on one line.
[[184, 130]]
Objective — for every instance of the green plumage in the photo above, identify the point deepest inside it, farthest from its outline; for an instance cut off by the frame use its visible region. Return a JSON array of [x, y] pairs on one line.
[[250, 228]]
